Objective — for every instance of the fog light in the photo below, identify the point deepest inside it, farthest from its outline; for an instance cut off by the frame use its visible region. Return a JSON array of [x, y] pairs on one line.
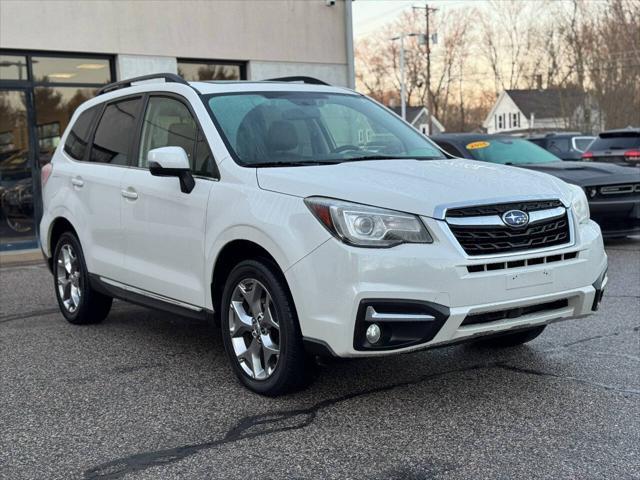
[[373, 333]]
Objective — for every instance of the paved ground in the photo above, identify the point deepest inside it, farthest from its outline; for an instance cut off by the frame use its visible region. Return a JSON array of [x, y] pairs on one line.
[[148, 395]]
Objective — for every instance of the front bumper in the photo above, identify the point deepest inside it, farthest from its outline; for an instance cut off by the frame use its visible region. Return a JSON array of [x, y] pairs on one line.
[[617, 217], [331, 284]]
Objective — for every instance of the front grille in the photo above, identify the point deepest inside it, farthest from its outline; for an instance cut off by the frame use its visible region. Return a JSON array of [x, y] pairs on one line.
[[484, 238], [624, 189], [511, 313], [500, 208]]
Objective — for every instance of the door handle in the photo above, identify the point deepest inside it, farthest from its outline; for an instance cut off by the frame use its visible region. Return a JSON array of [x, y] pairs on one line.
[[77, 182], [130, 194]]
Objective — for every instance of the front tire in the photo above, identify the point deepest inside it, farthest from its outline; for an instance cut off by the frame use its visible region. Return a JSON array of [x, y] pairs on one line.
[[78, 302], [512, 339], [260, 329]]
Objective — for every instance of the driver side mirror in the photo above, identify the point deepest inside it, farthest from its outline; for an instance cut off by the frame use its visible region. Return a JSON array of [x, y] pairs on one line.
[[171, 162]]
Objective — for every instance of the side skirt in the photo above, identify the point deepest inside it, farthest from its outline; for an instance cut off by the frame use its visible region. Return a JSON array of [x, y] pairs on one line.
[[147, 299]]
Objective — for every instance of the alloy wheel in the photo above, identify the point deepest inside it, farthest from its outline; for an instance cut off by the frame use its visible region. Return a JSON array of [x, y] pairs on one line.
[[254, 330], [68, 278]]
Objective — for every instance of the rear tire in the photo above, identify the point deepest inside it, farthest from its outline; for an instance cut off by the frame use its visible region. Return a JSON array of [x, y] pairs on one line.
[[78, 302], [260, 329], [512, 339]]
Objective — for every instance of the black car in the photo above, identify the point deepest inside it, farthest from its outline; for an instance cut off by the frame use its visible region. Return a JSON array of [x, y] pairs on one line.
[[613, 191], [564, 145], [621, 147]]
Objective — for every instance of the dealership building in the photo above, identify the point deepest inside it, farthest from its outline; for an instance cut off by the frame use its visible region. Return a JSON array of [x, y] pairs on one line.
[[55, 54]]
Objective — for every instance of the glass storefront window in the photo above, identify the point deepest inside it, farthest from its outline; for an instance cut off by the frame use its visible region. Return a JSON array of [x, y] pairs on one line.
[[200, 71], [16, 182], [13, 67], [38, 94], [71, 70]]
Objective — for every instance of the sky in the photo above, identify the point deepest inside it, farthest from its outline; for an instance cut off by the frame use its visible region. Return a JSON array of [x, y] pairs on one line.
[[369, 15]]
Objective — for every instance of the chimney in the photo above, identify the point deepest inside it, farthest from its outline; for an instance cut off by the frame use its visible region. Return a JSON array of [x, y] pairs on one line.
[[539, 82]]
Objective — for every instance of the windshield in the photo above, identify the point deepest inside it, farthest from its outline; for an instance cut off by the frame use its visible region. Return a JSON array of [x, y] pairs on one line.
[[509, 151], [309, 128]]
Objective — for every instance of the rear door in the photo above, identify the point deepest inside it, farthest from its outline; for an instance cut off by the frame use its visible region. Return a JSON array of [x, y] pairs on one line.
[[164, 227], [95, 181]]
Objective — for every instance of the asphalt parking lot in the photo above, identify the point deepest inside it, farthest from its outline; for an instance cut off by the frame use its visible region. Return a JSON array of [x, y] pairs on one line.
[[150, 395]]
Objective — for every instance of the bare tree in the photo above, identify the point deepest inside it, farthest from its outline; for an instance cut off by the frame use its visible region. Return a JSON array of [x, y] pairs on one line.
[[378, 69], [588, 51]]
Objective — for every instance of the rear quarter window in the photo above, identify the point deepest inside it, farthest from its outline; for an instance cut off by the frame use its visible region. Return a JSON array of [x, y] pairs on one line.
[[78, 139]]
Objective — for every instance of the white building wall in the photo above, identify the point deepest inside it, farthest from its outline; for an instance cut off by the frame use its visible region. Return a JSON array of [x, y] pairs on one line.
[[332, 73], [271, 35]]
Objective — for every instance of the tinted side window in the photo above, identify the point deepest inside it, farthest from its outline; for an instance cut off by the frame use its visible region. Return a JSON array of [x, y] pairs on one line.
[[78, 138], [559, 145], [611, 142], [115, 133], [167, 123]]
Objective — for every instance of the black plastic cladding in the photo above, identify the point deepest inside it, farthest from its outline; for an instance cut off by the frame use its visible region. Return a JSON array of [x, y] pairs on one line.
[[395, 334]]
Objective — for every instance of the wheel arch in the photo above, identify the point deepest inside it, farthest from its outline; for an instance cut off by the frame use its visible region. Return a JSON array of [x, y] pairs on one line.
[[228, 257], [59, 226]]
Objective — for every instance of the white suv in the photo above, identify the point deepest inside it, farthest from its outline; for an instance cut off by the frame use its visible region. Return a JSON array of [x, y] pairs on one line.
[[306, 219]]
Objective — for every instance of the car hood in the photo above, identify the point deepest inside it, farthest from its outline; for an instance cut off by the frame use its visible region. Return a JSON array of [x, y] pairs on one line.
[[588, 173], [419, 187]]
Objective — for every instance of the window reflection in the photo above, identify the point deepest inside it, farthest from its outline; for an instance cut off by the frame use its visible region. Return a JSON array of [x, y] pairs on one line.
[[16, 185], [13, 67], [71, 70], [194, 72]]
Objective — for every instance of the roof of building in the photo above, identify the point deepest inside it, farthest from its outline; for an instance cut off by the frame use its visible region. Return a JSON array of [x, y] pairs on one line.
[[551, 103], [412, 112]]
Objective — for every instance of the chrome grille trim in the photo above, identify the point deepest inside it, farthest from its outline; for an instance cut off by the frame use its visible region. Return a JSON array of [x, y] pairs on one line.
[[440, 211], [496, 220]]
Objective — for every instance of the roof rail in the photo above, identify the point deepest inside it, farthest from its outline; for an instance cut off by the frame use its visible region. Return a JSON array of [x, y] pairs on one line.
[[309, 80], [168, 78]]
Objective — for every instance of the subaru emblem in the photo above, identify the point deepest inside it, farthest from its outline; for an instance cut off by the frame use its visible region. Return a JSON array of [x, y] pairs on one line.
[[515, 218]]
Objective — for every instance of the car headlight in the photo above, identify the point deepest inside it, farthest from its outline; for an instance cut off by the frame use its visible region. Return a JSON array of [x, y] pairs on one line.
[[579, 204], [365, 226]]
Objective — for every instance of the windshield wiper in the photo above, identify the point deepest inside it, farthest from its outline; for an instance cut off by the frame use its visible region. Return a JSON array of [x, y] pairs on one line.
[[389, 157], [294, 164]]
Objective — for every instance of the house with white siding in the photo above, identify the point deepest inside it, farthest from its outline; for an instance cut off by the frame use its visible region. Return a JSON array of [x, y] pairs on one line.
[[520, 111]]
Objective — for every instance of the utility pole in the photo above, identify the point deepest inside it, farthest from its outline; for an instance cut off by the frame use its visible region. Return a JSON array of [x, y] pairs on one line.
[[427, 42], [403, 89]]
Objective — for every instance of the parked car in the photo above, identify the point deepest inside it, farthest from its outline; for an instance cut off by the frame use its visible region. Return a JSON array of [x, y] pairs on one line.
[[564, 145], [621, 147], [613, 191], [306, 219]]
